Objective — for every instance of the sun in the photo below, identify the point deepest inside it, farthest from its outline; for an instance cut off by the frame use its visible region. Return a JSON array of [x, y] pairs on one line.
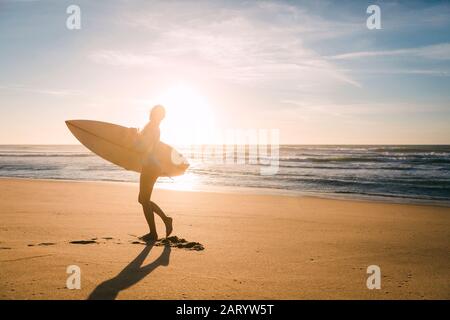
[[189, 117]]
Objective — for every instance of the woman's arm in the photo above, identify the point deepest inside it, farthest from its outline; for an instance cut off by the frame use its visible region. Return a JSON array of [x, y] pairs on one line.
[[147, 139]]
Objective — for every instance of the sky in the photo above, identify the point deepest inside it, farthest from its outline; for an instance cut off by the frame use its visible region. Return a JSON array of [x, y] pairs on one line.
[[311, 69]]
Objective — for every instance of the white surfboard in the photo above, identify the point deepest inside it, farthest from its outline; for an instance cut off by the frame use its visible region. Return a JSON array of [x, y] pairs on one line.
[[117, 144]]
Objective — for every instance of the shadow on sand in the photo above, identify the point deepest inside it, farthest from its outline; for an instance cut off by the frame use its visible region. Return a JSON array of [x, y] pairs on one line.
[[130, 275]]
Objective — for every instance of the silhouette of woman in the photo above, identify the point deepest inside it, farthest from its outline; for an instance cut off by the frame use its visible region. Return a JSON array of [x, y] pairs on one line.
[[151, 169]]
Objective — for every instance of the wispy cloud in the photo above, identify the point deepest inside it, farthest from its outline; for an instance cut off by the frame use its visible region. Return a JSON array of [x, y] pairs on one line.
[[52, 92], [260, 43], [127, 59], [438, 51], [307, 107], [429, 72]]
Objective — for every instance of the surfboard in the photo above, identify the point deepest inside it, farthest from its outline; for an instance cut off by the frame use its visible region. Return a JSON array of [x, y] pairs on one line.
[[117, 144]]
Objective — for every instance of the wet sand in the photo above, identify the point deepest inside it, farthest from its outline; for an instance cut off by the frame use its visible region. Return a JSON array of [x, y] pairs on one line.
[[252, 246]]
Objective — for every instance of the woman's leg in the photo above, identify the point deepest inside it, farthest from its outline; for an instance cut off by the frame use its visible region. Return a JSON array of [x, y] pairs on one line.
[[167, 220], [158, 211], [146, 183]]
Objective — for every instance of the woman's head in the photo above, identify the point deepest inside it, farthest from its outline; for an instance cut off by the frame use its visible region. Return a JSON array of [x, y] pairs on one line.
[[157, 113]]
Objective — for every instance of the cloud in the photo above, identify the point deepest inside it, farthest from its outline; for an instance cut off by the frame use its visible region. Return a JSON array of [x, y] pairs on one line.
[[254, 44], [127, 59], [309, 107], [52, 92], [429, 72], [438, 52]]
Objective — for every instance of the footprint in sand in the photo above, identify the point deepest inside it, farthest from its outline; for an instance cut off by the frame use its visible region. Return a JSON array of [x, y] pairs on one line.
[[83, 242], [42, 244], [175, 242], [91, 241], [181, 243]]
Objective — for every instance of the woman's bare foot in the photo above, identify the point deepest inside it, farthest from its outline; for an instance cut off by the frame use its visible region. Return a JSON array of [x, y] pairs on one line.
[[149, 237], [169, 228]]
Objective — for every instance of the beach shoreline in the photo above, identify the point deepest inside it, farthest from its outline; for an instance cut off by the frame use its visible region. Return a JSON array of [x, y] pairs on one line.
[[263, 191]]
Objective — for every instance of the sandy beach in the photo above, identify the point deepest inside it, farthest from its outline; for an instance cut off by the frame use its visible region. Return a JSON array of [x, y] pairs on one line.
[[255, 246]]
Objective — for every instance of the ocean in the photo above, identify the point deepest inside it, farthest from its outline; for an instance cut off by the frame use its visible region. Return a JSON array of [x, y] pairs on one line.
[[413, 174]]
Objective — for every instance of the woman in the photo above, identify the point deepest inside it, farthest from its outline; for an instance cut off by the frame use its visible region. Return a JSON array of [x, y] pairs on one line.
[[147, 142]]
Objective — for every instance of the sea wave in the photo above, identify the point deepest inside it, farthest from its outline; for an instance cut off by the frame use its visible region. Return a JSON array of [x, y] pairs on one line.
[[401, 172]]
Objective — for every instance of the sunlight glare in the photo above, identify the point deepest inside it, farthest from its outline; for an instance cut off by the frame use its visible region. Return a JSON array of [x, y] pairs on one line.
[[188, 116]]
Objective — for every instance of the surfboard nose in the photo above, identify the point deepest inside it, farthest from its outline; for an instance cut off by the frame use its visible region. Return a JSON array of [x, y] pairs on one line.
[[70, 122], [73, 124], [76, 123]]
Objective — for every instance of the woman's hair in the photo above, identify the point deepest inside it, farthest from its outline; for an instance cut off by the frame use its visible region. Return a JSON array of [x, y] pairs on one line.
[[157, 113]]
